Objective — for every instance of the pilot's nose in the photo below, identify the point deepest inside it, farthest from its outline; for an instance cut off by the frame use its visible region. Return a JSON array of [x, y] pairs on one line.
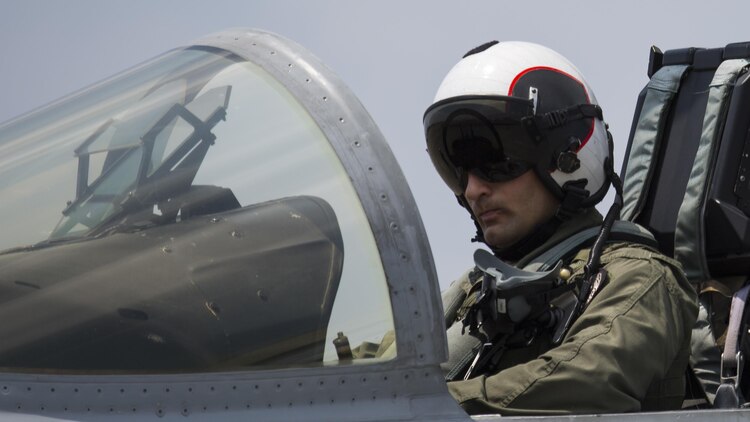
[[476, 187]]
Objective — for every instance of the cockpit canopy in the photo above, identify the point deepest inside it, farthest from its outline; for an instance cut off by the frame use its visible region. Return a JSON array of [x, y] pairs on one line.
[[187, 215]]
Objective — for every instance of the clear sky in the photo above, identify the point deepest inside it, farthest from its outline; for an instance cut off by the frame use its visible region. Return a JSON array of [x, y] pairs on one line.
[[392, 54]]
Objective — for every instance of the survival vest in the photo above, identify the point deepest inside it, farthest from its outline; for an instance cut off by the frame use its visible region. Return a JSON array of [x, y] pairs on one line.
[[468, 353]]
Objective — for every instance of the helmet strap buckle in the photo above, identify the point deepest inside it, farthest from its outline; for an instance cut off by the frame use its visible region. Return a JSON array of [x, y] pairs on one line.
[[555, 118], [574, 195]]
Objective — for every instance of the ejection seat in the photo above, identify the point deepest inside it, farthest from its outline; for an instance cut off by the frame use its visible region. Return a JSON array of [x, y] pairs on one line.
[[686, 178]]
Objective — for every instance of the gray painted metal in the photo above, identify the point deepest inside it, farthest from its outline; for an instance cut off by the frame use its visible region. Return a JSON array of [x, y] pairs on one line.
[[694, 415]]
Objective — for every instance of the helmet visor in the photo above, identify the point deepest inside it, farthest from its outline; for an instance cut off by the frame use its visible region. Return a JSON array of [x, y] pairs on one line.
[[484, 136]]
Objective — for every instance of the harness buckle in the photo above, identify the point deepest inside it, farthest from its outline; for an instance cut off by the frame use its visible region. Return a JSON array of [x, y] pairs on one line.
[[731, 369]]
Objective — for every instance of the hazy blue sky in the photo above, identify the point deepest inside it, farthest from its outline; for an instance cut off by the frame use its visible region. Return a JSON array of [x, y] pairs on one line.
[[392, 54]]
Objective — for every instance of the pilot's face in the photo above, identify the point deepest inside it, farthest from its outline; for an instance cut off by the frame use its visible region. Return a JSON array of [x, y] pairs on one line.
[[508, 211]]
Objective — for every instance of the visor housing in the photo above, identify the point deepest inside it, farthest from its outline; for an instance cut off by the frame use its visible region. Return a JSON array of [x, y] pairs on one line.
[[483, 135]]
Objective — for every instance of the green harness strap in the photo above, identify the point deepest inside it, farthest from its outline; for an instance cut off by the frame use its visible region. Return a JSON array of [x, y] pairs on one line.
[[647, 138], [621, 231], [689, 238], [689, 241]]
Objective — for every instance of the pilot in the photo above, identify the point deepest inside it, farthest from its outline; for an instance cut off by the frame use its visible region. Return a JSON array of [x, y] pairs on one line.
[[517, 135]]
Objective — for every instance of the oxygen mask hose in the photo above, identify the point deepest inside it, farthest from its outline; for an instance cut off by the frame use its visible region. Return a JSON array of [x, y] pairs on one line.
[[593, 264], [594, 276]]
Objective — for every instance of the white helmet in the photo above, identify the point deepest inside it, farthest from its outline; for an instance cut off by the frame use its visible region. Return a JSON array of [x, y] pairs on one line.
[[509, 107]]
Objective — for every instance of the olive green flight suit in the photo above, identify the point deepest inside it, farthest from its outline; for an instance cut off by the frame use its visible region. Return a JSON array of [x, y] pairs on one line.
[[628, 350]]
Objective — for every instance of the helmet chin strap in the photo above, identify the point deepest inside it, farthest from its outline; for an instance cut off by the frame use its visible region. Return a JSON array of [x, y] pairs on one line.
[[519, 249], [593, 265], [532, 241], [574, 195]]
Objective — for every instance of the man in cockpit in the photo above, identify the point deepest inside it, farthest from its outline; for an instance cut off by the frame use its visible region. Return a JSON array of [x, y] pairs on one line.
[[517, 135]]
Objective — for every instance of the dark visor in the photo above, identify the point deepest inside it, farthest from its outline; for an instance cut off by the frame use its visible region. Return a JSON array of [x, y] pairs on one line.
[[482, 135]]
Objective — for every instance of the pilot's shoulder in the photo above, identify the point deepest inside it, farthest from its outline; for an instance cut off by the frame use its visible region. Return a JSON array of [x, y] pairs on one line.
[[626, 262]]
